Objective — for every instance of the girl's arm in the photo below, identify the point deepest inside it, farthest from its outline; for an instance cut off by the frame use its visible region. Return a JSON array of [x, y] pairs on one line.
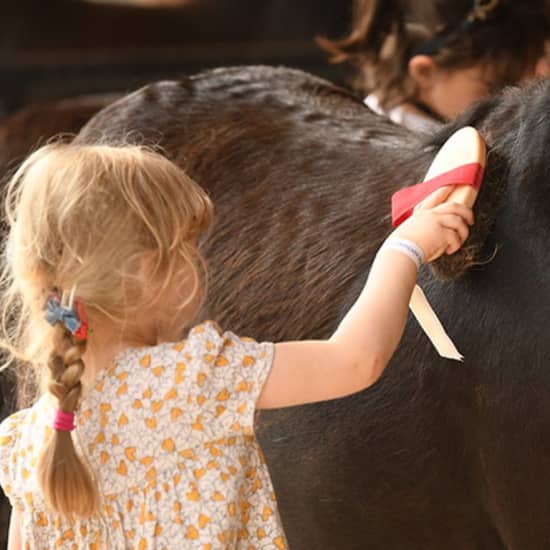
[[14, 538], [359, 350]]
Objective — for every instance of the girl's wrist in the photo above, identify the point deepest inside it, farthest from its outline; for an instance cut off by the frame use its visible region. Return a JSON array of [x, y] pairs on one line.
[[405, 247]]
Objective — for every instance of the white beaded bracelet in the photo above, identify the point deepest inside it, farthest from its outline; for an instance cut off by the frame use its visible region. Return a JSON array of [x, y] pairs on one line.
[[410, 249]]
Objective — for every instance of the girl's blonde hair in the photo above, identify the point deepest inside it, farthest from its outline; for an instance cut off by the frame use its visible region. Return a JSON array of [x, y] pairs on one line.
[[115, 222]]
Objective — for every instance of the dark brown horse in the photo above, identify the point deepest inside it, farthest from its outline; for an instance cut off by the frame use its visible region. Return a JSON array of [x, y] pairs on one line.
[[437, 454]]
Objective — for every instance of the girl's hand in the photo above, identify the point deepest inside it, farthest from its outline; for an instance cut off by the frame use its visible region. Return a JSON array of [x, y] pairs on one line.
[[437, 226]]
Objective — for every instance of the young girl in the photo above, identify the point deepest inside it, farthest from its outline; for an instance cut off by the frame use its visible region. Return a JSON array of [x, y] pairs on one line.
[[422, 63], [142, 439]]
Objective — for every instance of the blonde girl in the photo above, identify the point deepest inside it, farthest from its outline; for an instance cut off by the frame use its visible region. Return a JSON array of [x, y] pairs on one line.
[[143, 438]]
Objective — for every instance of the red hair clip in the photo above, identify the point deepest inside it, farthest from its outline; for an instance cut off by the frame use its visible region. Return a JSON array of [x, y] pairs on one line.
[[82, 332]]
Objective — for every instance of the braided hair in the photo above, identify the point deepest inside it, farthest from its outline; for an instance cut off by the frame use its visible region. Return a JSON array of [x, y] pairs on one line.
[[66, 481]]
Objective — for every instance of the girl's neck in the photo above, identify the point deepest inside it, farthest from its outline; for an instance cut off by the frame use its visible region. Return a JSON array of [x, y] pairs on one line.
[[149, 328], [106, 343], [98, 358]]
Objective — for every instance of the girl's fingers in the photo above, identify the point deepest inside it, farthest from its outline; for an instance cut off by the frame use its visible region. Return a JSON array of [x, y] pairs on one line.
[[457, 209], [456, 223], [437, 197], [454, 241]]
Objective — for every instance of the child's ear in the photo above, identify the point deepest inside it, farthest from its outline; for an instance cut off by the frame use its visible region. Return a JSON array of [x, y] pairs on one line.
[[423, 70]]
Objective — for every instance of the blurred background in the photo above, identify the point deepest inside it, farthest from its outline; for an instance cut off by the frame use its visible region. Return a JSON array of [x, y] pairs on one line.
[[53, 49], [62, 60]]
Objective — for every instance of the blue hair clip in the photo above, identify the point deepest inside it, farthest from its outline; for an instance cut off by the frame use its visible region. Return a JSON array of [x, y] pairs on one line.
[[57, 313]]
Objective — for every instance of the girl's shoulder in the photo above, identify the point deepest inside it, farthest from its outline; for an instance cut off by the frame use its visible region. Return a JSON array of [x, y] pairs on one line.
[[205, 343], [208, 344], [235, 368], [202, 344], [205, 360], [208, 361]]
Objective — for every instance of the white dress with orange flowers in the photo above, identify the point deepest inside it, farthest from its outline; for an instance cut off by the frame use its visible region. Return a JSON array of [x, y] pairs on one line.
[[168, 432]]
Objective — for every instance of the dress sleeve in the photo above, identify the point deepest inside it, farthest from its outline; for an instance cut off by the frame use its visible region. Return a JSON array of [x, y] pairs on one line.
[[237, 369], [9, 439]]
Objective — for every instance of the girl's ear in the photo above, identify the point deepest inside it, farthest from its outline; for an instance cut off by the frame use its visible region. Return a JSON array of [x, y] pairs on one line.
[[423, 71]]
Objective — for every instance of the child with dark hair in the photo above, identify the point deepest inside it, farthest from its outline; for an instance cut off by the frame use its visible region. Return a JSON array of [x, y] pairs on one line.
[[421, 63]]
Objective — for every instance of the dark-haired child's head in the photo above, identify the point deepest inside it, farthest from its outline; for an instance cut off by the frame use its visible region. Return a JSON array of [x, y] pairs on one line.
[[444, 54]]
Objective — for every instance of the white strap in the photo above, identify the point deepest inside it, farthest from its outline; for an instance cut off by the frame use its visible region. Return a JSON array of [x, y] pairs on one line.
[[432, 326], [420, 307]]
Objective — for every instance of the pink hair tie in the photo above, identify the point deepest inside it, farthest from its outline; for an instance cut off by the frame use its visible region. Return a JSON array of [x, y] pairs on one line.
[[64, 421]]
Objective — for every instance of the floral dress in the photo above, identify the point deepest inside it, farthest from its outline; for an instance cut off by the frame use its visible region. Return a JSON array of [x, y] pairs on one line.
[[168, 433]]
